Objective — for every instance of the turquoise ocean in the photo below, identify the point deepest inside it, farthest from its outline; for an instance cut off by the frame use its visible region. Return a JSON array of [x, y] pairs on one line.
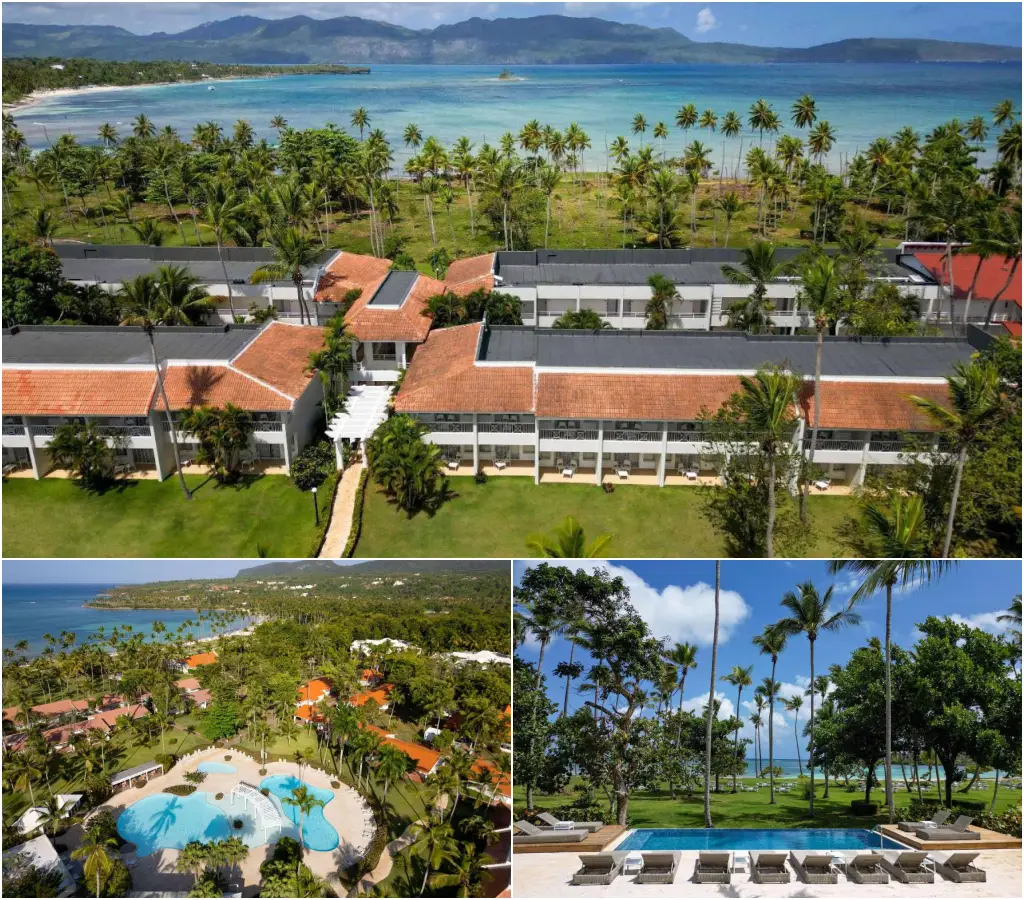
[[861, 101], [32, 610]]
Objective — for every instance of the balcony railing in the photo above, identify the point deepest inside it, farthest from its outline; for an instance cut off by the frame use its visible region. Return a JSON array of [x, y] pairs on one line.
[[696, 437], [835, 445], [567, 434], [650, 436], [268, 426], [506, 428], [45, 430], [124, 430], [891, 446], [450, 427], [14, 430]]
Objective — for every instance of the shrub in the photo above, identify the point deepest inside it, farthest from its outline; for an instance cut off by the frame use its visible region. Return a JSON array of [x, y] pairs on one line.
[[238, 823], [180, 790], [580, 812], [263, 771], [335, 785], [608, 487], [480, 477], [970, 805], [218, 796], [227, 757], [863, 808], [102, 825], [265, 792], [325, 500], [403, 262], [172, 741], [118, 881], [167, 760], [357, 516], [313, 465], [1005, 823]]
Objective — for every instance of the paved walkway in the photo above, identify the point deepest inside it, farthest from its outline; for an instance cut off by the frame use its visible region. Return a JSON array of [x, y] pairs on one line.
[[341, 515], [386, 861]]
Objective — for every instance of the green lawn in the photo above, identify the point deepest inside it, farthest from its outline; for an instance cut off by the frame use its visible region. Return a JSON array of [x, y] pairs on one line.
[[56, 517], [494, 519], [657, 809]]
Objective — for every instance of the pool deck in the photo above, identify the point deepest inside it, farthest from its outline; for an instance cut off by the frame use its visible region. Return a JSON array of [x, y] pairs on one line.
[[549, 875], [597, 842], [347, 813], [989, 840]]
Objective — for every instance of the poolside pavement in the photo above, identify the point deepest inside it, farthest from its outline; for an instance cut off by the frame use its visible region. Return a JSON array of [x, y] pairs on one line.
[[347, 813], [549, 875]]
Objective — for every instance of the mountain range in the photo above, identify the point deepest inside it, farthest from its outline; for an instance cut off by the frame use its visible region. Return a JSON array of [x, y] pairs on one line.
[[325, 568], [528, 41]]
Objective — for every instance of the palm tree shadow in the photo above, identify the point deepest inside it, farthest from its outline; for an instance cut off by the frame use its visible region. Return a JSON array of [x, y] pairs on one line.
[[111, 485]]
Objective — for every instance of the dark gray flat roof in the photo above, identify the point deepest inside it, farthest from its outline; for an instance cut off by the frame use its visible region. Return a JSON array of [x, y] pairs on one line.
[[116, 263], [698, 266], [394, 289], [721, 350], [113, 345]]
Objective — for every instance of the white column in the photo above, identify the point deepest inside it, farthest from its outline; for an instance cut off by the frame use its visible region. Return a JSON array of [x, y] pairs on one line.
[[536, 450], [579, 295], [32, 458], [600, 450], [337, 453], [401, 355], [476, 444], [286, 431], [622, 305], [664, 455]]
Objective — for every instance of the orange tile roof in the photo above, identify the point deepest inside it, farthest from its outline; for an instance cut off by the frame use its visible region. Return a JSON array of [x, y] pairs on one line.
[[188, 684], [380, 696], [189, 386], [871, 405], [993, 275], [309, 712], [443, 378], [77, 392], [280, 356], [60, 707], [351, 270], [665, 397], [1014, 328], [501, 781], [202, 696], [404, 323], [11, 713], [469, 269], [108, 718], [201, 659], [312, 691], [423, 757]]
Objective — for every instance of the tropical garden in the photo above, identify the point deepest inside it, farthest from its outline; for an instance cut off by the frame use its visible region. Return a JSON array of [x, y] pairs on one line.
[[933, 717], [452, 817]]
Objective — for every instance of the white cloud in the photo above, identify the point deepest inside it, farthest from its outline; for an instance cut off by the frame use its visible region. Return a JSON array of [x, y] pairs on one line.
[[697, 704], [986, 621], [682, 613], [706, 21]]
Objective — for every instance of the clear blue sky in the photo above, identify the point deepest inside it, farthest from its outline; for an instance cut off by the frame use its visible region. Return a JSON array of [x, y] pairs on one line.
[[123, 571], [762, 24], [676, 598]]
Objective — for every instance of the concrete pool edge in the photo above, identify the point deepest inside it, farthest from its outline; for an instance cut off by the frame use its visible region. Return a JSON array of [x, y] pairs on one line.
[[886, 840]]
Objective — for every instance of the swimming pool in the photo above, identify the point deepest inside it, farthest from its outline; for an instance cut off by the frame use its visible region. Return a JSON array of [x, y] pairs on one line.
[[218, 767], [163, 821], [757, 839], [317, 832]]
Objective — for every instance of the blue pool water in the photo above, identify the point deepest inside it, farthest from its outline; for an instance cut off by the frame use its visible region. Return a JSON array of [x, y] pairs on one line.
[[317, 832], [218, 767], [756, 839], [163, 821]]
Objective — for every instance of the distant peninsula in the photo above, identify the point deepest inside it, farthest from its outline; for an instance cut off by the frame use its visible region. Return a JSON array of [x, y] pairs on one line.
[[535, 40], [30, 78]]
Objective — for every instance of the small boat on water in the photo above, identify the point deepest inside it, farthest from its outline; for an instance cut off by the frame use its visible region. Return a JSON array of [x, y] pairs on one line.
[[211, 88]]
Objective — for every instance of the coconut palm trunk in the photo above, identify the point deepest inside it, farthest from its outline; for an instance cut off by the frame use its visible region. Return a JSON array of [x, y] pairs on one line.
[[568, 678], [961, 459], [711, 703], [170, 415], [810, 751], [771, 741], [805, 487], [889, 799], [999, 294], [224, 268], [770, 538]]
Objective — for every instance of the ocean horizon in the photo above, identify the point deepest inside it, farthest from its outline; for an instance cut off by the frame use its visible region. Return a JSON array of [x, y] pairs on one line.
[[32, 610], [791, 769], [862, 101]]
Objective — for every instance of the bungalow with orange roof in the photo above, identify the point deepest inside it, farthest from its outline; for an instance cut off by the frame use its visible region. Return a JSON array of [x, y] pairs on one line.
[[63, 708], [380, 695], [310, 695], [106, 721], [54, 375], [425, 760], [204, 658]]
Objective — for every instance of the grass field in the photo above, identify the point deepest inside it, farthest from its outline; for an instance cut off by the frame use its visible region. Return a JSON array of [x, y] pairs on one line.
[[57, 517], [657, 809], [583, 215], [494, 519]]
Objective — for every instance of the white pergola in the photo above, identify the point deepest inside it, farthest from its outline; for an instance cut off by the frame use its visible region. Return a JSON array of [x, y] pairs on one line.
[[366, 407], [266, 812]]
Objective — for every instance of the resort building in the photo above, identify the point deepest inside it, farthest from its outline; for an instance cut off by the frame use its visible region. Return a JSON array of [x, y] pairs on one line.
[[199, 659], [627, 405], [425, 761], [54, 375], [39, 853], [381, 696], [36, 816]]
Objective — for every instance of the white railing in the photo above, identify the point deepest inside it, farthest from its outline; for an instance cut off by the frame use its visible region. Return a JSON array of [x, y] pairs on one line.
[[694, 437], [14, 430], [649, 436], [566, 434], [125, 430], [45, 430], [835, 445], [268, 426], [506, 428], [889, 446], [450, 427]]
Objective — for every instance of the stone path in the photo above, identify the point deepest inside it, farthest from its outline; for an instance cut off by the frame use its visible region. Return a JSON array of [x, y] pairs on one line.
[[341, 515], [386, 861]]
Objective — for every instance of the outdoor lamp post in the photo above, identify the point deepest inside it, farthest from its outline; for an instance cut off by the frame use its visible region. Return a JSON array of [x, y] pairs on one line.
[[316, 509]]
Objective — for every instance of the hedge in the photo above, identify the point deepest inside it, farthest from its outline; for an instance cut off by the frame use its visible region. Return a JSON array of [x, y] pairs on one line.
[[330, 488], [357, 516], [180, 790]]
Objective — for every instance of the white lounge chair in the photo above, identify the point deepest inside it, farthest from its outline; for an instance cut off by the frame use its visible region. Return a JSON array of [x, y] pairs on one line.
[[823, 484]]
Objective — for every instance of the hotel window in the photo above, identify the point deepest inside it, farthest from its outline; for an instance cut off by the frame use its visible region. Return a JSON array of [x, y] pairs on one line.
[[446, 417], [627, 426], [565, 423], [384, 350], [506, 417]]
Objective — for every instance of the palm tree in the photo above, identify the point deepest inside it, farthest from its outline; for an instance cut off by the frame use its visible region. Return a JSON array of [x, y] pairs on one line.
[[192, 858], [711, 700], [663, 293], [820, 292], [181, 299], [294, 252], [891, 539], [567, 542], [436, 841], [360, 119], [148, 232], [729, 205], [108, 134], [98, 855], [279, 124], [470, 868], [222, 212], [976, 403], [684, 657], [756, 720], [739, 678], [142, 126], [794, 704], [820, 140], [759, 267], [771, 642], [1002, 113], [331, 363], [505, 179], [305, 802], [810, 613], [804, 111], [639, 126], [766, 405]]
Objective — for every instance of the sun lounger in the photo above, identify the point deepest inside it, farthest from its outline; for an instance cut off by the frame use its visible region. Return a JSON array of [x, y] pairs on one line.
[[768, 867], [823, 484], [562, 824], [908, 866], [938, 819], [597, 868], [958, 831], [713, 867], [866, 868], [813, 867], [659, 868], [958, 865], [531, 834]]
